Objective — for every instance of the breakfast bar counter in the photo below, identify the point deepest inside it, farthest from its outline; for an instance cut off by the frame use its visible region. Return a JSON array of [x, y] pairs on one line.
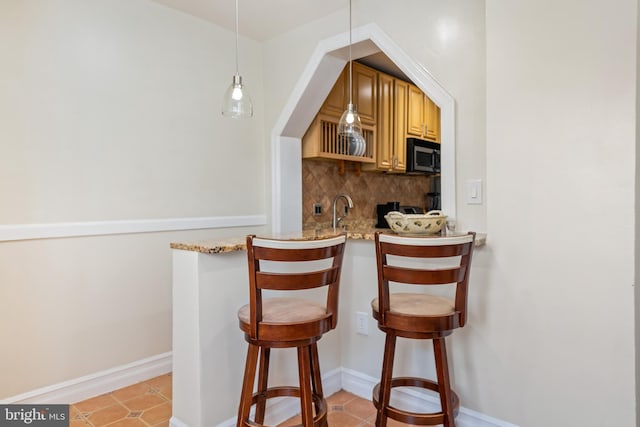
[[232, 244], [210, 283]]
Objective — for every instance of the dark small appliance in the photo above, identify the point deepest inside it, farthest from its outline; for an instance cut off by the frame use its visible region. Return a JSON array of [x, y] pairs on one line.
[[384, 209], [423, 157], [433, 196], [410, 210]]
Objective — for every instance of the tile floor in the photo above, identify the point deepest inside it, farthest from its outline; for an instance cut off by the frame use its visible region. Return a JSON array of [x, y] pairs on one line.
[[148, 404], [345, 410], [145, 404]]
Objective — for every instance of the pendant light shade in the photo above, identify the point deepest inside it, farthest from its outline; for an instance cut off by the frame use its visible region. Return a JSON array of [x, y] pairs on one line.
[[237, 102], [350, 127], [350, 123]]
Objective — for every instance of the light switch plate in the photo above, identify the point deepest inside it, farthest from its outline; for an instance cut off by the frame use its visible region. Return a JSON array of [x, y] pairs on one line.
[[362, 323], [474, 191]]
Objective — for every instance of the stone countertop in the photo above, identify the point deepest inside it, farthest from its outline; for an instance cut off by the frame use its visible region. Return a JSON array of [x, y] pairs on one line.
[[233, 244]]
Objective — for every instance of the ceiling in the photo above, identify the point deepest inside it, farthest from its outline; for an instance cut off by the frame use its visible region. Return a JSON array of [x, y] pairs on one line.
[[258, 19], [262, 20]]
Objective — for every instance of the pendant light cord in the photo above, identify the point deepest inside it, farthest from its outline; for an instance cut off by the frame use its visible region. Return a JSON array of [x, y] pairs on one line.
[[350, 60], [237, 68]]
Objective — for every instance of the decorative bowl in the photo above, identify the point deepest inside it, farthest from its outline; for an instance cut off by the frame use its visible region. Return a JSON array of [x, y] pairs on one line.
[[429, 223]]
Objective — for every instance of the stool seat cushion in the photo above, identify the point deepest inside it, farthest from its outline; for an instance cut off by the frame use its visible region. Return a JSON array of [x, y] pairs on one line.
[[411, 304], [286, 310]]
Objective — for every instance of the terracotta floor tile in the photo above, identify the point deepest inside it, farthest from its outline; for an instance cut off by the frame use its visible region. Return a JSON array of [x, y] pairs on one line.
[[343, 419], [108, 415], [168, 393], [372, 418], [131, 392], [144, 402], [361, 408], [162, 424], [78, 423], [157, 414], [74, 414], [95, 403], [128, 422], [293, 421], [163, 382], [394, 423], [340, 398]]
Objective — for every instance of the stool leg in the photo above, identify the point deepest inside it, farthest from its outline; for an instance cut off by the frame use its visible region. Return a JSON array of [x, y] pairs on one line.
[[304, 373], [385, 382], [247, 384], [315, 373], [444, 385], [263, 375]]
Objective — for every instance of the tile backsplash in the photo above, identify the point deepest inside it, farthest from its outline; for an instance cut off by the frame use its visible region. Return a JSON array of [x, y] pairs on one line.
[[321, 182]]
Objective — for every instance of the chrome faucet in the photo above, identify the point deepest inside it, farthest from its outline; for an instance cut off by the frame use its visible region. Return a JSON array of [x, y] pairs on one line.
[[336, 219]]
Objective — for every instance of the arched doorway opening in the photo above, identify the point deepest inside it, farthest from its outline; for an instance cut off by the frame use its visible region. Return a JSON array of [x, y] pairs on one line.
[[316, 81]]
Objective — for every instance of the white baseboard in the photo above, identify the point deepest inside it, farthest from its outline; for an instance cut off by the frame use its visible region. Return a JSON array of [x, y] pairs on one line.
[[332, 382], [177, 422], [362, 385], [97, 383]]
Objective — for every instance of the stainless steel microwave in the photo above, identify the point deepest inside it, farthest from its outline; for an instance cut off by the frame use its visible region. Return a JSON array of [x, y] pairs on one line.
[[423, 157]]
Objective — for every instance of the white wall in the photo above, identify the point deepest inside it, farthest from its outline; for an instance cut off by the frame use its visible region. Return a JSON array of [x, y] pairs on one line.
[[561, 85], [110, 110], [117, 104]]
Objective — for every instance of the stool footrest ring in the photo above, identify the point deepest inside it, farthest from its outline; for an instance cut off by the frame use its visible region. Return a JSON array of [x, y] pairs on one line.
[[433, 418], [320, 404]]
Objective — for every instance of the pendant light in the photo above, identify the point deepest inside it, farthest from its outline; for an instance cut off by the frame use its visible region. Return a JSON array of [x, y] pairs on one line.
[[237, 102], [350, 126]]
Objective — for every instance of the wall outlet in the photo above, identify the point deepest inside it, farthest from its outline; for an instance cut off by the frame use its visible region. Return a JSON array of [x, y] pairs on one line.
[[317, 209], [362, 323]]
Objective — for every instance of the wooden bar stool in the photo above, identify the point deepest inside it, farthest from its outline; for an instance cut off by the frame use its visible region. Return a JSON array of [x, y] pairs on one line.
[[287, 322], [420, 261]]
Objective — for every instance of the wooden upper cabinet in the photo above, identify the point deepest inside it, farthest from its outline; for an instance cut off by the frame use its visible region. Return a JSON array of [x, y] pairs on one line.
[[391, 125], [365, 82], [432, 120], [401, 94], [337, 100], [423, 116], [364, 95], [415, 112], [386, 136]]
